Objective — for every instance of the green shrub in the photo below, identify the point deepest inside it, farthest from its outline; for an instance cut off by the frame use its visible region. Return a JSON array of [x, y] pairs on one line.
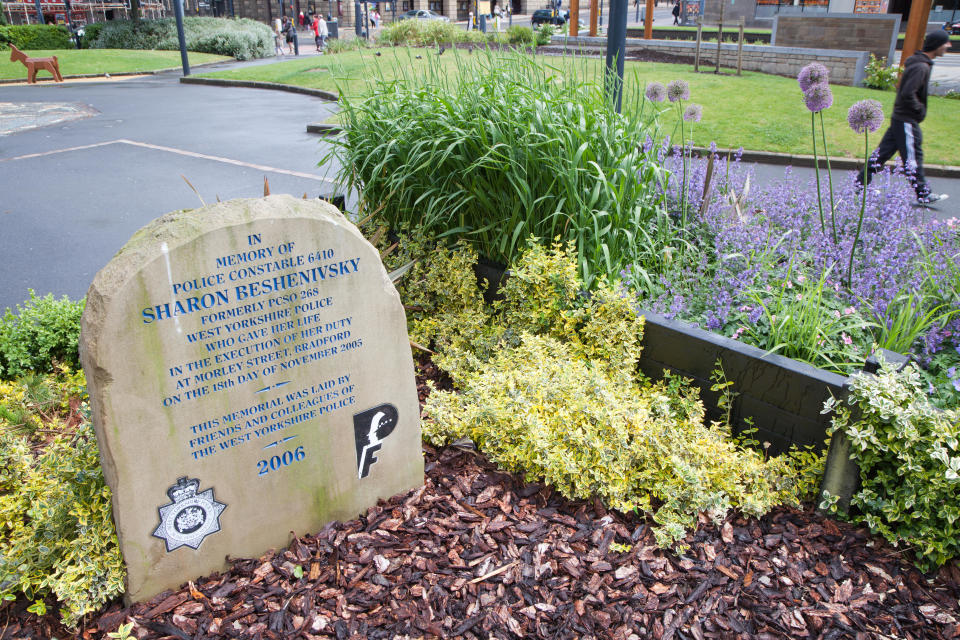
[[56, 529], [41, 332], [243, 39], [33, 37], [90, 34], [544, 33], [909, 458], [423, 33], [519, 36], [500, 150], [879, 75], [548, 386]]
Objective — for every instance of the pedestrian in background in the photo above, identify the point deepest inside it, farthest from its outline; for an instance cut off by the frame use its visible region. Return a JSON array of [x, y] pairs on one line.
[[676, 12], [322, 33], [278, 37], [289, 30], [909, 110]]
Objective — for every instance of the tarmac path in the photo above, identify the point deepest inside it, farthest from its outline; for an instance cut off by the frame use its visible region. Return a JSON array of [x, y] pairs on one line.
[[85, 165]]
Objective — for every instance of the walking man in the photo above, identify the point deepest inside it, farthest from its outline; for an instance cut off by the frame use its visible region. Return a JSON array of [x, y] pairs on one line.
[[676, 12], [909, 110]]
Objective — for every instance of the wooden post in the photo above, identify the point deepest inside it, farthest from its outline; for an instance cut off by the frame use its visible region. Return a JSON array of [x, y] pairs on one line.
[[740, 50], [574, 18], [916, 28], [719, 37], [705, 200], [594, 11], [648, 21], [696, 58]]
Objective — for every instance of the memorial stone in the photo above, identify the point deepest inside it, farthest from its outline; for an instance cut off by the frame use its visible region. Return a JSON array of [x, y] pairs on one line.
[[250, 376]]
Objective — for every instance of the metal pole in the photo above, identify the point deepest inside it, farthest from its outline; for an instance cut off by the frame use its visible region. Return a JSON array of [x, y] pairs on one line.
[[616, 50], [40, 19], [181, 36]]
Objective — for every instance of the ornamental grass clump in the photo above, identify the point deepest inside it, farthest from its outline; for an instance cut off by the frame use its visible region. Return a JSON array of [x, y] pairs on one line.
[[501, 149]]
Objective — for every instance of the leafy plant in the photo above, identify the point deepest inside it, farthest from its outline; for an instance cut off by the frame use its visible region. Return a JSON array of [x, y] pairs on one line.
[[880, 75], [543, 35], [908, 317], [29, 37], [518, 35], [801, 318], [502, 150], [42, 331], [909, 458], [56, 529], [551, 390], [243, 39]]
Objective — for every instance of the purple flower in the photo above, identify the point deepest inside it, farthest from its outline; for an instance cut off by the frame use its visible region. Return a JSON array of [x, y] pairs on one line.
[[818, 97], [812, 75], [656, 92], [866, 115], [692, 113], [678, 90]]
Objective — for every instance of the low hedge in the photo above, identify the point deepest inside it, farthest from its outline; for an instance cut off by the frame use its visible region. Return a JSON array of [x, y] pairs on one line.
[[242, 39], [31, 37]]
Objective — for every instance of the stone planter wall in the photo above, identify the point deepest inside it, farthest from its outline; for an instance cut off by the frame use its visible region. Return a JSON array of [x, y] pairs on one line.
[[846, 67]]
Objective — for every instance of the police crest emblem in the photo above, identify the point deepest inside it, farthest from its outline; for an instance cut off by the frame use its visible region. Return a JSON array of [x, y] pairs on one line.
[[190, 516]]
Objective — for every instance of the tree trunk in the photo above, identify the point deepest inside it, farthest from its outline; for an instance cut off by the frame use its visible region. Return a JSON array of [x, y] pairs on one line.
[[135, 10]]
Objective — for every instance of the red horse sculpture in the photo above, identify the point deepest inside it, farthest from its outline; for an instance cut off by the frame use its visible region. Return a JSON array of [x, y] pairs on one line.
[[36, 64]]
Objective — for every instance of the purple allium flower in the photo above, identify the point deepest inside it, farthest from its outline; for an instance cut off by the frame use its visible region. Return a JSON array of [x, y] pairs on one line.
[[656, 92], [812, 75], [818, 97], [678, 90], [866, 115], [692, 113]]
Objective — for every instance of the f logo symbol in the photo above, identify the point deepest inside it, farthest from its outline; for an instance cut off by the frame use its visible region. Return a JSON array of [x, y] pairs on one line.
[[370, 429]]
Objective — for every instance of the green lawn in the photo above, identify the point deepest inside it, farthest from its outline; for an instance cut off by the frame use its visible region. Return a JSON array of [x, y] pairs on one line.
[[94, 61], [756, 111]]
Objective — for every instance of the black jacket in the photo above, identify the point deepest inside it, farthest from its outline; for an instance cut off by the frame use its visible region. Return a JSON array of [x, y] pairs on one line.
[[911, 102]]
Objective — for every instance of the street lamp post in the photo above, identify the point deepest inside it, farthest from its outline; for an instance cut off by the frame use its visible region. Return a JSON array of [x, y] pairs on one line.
[[616, 49], [181, 36]]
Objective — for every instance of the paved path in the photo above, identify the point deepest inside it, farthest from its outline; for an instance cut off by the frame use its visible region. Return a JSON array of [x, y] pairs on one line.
[[74, 192]]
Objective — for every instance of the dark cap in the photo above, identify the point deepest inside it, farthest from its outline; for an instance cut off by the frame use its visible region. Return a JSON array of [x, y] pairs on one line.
[[935, 40]]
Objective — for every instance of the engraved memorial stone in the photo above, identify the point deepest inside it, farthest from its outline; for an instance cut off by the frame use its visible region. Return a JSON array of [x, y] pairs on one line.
[[250, 375]]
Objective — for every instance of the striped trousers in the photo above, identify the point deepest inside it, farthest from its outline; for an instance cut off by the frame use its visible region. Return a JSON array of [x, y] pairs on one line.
[[903, 138]]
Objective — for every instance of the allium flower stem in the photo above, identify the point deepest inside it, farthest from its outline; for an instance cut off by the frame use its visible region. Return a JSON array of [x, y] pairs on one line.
[[863, 207], [816, 169], [683, 185], [826, 154]]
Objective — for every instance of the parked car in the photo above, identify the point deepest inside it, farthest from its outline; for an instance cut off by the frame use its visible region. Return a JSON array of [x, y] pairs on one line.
[[423, 14], [545, 16]]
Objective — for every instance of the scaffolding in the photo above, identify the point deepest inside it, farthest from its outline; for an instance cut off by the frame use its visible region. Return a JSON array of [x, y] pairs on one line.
[[81, 11]]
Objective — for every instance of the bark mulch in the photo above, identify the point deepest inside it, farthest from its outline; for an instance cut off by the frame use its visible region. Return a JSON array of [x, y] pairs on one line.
[[476, 553]]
